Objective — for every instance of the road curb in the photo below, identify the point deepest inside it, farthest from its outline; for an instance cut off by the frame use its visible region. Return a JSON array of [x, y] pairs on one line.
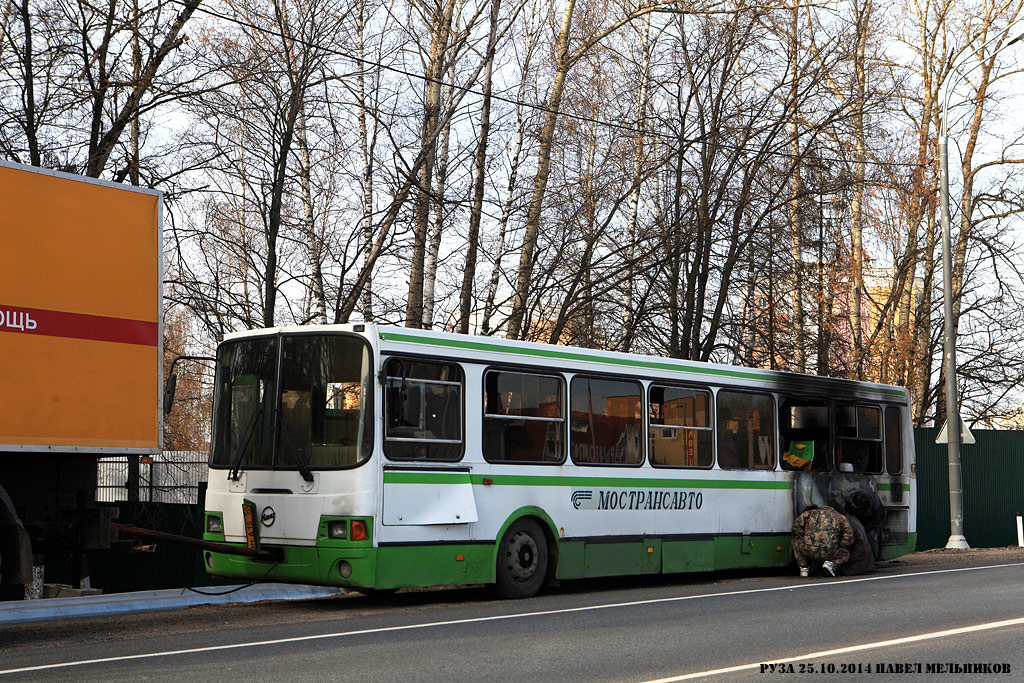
[[51, 609]]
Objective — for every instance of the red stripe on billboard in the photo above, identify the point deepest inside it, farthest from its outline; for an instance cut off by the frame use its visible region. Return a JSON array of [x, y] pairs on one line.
[[77, 326]]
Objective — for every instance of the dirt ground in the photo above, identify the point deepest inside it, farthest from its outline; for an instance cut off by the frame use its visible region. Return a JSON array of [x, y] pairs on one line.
[[942, 556]]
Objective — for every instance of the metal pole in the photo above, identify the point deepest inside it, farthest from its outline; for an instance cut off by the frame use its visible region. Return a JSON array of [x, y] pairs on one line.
[[956, 493], [956, 539], [956, 508]]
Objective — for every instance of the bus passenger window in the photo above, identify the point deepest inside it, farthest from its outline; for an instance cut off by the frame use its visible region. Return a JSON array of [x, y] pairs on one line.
[[893, 440], [806, 435], [679, 432], [523, 418], [606, 422], [423, 409], [859, 436], [746, 431]]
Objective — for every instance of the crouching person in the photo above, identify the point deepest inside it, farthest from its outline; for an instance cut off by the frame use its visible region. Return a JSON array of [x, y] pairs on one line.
[[821, 535], [862, 559]]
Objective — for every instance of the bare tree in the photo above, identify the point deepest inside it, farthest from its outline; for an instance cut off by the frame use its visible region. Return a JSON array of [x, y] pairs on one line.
[[565, 58], [253, 130], [82, 74]]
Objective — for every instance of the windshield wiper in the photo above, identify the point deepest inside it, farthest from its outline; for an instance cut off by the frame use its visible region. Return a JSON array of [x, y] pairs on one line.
[[236, 459], [300, 462]]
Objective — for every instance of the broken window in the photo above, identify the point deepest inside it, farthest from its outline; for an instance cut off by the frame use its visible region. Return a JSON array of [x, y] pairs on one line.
[[806, 435], [859, 438]]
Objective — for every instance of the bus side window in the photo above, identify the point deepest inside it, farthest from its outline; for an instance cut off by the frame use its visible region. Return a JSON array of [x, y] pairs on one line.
[[859, 437], [746, 431], [893, 440], [804, 428], [523, 418], [423, 408], [607, 422], [679, 434]]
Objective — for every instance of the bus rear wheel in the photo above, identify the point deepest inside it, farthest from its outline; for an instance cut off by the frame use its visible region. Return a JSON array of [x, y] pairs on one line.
[[522, 563]]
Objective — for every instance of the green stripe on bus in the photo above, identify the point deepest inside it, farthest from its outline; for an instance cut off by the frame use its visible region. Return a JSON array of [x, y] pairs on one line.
[[426, 478], [887, 486], [541, 480], [568, 355]]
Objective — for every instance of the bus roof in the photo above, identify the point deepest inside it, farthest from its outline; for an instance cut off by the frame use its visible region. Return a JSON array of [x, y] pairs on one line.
[[497, 350]]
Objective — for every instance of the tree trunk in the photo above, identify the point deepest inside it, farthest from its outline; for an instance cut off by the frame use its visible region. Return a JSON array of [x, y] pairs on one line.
[[314, 248], [796, 195], [923, 365], [480, 164], [290, 116], [506, 213], [133, 173], [365, 161], [628, 320], [675, 344], [348, 304], [434, 243], [441, 22], [28, 74], [857, 207], [547, 136]]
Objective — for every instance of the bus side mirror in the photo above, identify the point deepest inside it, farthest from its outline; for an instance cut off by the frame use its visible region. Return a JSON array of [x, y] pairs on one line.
[[172, 380], [172, 383]]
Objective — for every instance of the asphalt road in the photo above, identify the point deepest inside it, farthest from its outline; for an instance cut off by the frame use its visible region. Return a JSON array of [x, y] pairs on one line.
[[963, 619]]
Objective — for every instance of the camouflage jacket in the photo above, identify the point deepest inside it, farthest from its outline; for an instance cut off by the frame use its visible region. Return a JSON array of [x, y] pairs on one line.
[[822, 530]]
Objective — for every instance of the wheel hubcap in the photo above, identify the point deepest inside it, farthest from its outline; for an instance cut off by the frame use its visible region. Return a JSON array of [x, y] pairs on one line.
[[521, 556]]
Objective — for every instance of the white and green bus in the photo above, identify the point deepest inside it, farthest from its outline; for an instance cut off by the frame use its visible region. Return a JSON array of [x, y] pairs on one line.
[[377, 458]]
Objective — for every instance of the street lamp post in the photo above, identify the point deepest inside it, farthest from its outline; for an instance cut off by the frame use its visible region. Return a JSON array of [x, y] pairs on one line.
[[956, 511]]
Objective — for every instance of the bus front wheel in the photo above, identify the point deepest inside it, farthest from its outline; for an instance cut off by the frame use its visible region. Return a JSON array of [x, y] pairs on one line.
[[522, 563]]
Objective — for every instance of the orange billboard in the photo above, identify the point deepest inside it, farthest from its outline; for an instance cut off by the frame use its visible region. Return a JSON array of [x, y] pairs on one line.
[[80, 308]]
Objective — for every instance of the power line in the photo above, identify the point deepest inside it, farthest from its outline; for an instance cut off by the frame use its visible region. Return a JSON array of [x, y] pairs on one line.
[[529, 105]]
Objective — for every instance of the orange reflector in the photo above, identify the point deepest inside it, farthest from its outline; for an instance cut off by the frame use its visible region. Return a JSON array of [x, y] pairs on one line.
[[146, 460], [359, 530], [460, 558], [488, 481], [650, 550], [778, 548]]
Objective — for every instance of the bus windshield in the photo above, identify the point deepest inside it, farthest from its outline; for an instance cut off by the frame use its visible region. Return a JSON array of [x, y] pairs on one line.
[[309, 411]]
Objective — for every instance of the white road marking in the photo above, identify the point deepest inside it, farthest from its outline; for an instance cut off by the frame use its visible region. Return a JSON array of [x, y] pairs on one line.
[[505, 617], [844, 650]]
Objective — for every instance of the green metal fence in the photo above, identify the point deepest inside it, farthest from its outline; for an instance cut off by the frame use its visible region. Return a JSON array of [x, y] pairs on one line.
[[993, 482]]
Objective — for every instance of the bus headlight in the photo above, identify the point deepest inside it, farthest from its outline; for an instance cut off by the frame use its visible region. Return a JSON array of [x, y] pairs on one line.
[[214, 524], [337, 530]]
